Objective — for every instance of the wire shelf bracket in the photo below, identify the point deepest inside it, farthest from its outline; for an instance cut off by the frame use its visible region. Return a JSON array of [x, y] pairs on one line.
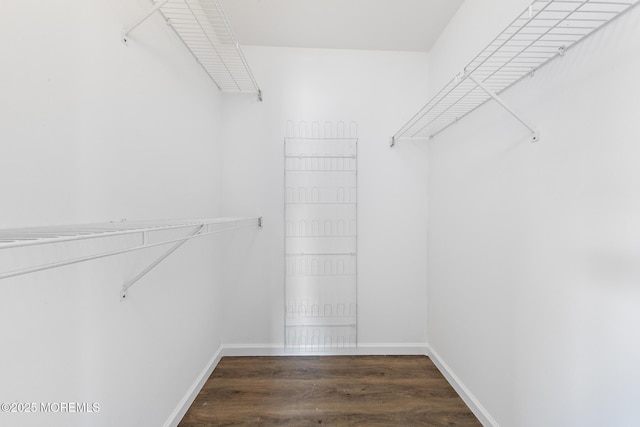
[[535, 134], [542, 32], [25, 237], [131, 282], [205, 30]]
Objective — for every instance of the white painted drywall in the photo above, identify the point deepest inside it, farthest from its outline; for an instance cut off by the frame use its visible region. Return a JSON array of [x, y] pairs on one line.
[[92, 130], [378, 90], [534, 284], [405, 25]]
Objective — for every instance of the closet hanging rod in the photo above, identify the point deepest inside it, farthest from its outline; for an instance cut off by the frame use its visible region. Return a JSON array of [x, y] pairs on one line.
[[544, 31]]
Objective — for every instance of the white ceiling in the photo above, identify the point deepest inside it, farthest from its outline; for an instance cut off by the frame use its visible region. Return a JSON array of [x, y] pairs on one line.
[[407, 25]]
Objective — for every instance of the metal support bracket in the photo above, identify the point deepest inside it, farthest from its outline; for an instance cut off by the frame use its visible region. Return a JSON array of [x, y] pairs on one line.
[[125, 33], [535, 135], [260, 222], [131, 282]]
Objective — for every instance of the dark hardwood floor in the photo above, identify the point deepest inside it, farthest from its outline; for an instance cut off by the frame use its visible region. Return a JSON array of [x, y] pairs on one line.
[[328, 391]]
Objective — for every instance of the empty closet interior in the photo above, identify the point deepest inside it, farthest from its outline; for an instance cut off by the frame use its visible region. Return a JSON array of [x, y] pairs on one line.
[[183, 180]]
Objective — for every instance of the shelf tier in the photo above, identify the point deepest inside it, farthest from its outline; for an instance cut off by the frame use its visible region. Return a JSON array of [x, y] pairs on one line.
[[321, 321], [319, 156], [320, 338], [321, 171], [322, 203], [322, 244], [545, 30], [321, 148]]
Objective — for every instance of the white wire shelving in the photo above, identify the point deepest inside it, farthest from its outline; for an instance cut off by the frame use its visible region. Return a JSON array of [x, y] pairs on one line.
[[33, 236], [544, 31], [321, 237], [205, 30]]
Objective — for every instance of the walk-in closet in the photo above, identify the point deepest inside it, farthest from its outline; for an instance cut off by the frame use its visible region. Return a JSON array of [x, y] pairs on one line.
[[320, 212]]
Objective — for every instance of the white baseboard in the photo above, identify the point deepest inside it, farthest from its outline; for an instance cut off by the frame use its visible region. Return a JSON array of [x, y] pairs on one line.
[[476, 407], [362, 349], [253, 350], [192, 393], [385, 349]]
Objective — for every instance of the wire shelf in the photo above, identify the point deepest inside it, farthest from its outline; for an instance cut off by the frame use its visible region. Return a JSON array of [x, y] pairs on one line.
[[321, 312], [545, 30], [31, 236], [205, 30], [327, 264], [320, 339]]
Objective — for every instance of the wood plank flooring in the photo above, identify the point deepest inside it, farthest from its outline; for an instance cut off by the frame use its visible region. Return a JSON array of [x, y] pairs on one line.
[[366, 391]]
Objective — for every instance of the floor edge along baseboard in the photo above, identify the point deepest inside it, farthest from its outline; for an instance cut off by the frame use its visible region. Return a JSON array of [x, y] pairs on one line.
[[472, 402], [367, 349], [186, 402]]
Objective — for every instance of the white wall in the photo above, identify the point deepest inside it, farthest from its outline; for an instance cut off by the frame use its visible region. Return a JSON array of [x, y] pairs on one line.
[[379, 90], [533, 249], [93, 130]]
